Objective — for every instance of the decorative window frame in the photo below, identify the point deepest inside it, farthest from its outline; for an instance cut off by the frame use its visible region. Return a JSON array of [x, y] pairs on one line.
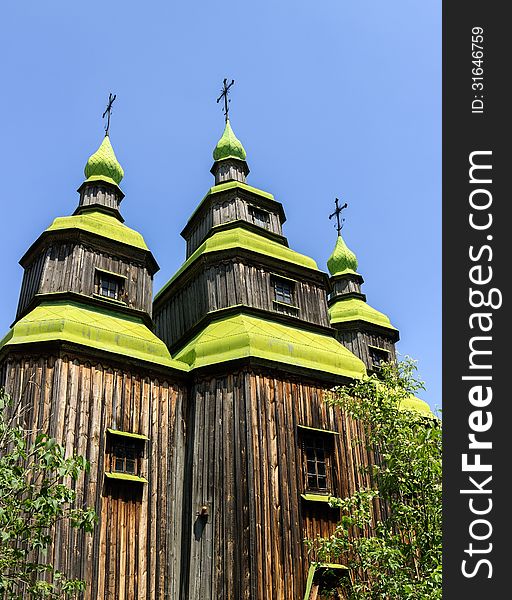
[[137, 439]]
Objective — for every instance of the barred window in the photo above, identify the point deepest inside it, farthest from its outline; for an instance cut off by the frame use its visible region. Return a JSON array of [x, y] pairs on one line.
[[317, 450], [259, 217], [283, 291], [125, 456], [109, 285], [378, 357]]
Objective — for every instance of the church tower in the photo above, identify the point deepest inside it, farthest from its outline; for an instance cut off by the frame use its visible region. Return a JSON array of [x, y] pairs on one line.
[[82, 358], [361, 328], [250, 317]]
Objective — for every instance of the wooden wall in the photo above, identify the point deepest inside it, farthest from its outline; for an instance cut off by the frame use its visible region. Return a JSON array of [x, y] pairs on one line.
[[99, 193], [358, 341], [229, 283], [134, 552], [230, 207], [246, 466], [71, 267]]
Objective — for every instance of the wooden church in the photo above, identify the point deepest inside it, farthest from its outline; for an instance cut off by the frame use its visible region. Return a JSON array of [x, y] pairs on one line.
[[202, 411]]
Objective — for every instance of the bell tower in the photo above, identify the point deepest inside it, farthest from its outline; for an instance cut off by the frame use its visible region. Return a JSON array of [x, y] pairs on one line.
[[82, 358], [250, 317]]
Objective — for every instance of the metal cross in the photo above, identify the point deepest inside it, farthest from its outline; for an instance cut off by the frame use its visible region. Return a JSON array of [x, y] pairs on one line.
[[108, 111], [337, 214], [224, 94]]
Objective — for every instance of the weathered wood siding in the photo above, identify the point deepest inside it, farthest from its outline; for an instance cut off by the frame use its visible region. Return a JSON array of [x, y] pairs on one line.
[[230, 207], [246, 466], [98, 193], [358, 343], [230, 283], [134, 552], [71, 267]]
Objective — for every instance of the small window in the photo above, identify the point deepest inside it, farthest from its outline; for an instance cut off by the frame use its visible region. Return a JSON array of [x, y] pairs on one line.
[[125, 451], [317, 454], [110, 285], [125, 458], [330, 583], [283, 291], [259, 217], [378, 356]]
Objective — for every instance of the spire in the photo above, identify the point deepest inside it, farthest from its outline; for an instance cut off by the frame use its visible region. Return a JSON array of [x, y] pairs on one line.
[[342, 259], [103, 165], [229, 146]]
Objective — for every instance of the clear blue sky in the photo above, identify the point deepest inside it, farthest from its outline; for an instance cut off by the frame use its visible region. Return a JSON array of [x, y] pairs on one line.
[[332, 98]]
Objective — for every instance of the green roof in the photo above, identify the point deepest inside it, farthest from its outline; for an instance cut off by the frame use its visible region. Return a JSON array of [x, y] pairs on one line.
[[229, 146], [355, 309], [229, 185], [413, 403], [242, 336], [101, 223], [94, 327], [342, 260], [247, 240], [103, 165]]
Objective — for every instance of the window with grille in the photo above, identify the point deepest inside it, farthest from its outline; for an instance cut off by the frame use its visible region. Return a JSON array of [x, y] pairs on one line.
[[259, 217], [109, 285], [317, 450], [125, 457], [283, 291], [378, 357]]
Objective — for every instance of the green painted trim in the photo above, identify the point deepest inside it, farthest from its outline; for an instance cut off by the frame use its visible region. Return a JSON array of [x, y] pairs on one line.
[[231, 185], [104, 179], [126, 477], [340, 274], [246, 240], [332, 566], [311, 574], [309, 581], [241, 336], [96, 327], [128, 434], [102, 224], [319, 430], [316, 497], [110, 273], [355, 309]]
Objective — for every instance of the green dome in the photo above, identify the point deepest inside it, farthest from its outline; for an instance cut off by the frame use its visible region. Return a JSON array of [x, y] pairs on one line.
[[342, 259], [103, 164], [229, 146]]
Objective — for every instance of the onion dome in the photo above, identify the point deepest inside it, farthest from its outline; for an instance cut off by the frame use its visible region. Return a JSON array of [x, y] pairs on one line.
[[342, 260], [229, 146], [103, 165]]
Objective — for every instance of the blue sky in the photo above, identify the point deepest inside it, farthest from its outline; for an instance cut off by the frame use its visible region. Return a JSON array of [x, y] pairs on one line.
[[332, 98]]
